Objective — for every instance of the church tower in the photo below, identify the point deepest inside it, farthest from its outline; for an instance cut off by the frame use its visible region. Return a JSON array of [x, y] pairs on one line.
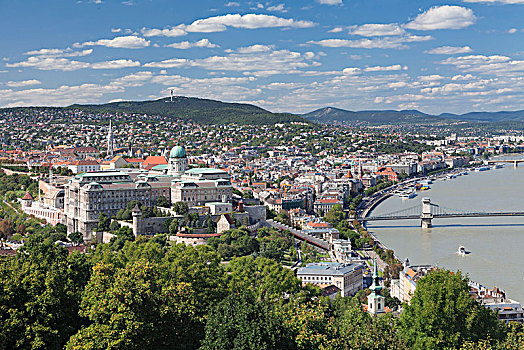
[[110, 140], [375, 300], [177, 162]]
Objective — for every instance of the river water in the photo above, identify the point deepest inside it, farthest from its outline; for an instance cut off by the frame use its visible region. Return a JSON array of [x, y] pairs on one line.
[[496, 243]]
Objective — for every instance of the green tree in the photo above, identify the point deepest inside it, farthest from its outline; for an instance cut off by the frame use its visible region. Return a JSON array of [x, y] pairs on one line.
[[132, 308], [76, 237], [103, 223], [181, 208], [443, 315], [163, 202], [40, 296], [242, 322]]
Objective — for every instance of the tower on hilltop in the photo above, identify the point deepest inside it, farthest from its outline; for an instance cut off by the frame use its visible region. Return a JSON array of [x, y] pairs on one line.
[[110, 140]]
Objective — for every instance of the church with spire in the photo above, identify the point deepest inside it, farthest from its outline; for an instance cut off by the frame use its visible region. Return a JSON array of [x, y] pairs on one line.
[[110, 140], [376, 302]]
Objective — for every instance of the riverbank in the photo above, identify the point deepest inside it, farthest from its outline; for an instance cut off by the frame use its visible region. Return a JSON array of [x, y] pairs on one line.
[[495, 243]]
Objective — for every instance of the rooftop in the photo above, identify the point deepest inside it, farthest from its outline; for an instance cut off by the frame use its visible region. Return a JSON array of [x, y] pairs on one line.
[[328, 269]]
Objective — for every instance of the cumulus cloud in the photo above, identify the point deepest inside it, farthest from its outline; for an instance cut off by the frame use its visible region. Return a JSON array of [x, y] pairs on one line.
[[255, 48], [62, 96], [330, 2], [248, 21], [493, 65], [169, 63], [115, 64], [385, 68], [277, 8], [50, 63], [376, 43], [372, 29], [23, 83], [169, 32], [187, 45], [450, 50], [221, 23], [268, 62], [514, 2], [443, 17], [123, 42], [64, 64], [232, 4], [59, 52]]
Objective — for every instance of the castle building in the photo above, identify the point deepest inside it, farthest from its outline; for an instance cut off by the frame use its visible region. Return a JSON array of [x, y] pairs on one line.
[[88, 195]]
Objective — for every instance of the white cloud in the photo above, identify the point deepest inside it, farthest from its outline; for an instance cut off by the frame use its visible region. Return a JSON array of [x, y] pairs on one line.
[[221, 23], [513, 30], [255, 48], [351, 71], [248, 21], [492, 65], [60, 53], [336, 30], [443, 17], [277, 8], [63, 64], [371, 29], [116, 30], [50, 63], [61, 96], [124, 42], [514, 2], [23, 83], [450, 50], [252, 61], [385, 68], [330, 2], [115, 64], [187, 45], [133, 80], [169, 32], [376, 43], [232, 4], [433, 77], [169, 63]]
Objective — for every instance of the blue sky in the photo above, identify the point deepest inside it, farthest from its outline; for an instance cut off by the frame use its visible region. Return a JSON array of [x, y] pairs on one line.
[[293, 56]]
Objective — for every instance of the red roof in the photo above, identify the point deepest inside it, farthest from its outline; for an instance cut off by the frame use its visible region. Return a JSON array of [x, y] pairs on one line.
[[152, 161], [198, 235], [27, 196]]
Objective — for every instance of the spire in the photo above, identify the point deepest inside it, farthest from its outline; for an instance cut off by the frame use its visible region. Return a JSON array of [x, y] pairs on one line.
[[376, 287], [110, 140]]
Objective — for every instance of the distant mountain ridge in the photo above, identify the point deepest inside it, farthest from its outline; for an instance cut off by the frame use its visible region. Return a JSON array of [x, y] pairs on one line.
[[190, 108], [333, 115]]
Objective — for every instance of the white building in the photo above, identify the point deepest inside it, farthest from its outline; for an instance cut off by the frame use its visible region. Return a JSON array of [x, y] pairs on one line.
[[346, 277]]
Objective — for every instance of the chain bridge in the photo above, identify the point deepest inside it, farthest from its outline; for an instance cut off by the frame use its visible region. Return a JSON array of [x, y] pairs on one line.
[[427, 211]]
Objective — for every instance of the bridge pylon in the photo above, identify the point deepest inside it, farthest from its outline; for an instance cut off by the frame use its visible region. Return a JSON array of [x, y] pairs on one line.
[[427, 215]]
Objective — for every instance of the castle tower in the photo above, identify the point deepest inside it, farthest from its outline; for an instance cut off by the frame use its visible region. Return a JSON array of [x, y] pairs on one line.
[[110, 140], [375, 300], [177, 162]]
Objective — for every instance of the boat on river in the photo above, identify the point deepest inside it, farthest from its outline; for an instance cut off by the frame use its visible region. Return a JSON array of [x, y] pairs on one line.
[[462, 250]]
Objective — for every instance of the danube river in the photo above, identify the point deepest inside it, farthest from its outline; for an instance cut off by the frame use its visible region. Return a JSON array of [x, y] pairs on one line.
[[496, 243]]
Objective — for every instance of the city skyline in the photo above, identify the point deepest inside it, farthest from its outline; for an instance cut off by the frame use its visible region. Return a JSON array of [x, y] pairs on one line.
[[292, 56]]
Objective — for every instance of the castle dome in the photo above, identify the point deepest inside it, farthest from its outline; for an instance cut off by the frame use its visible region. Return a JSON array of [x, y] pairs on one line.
[[177, 152]]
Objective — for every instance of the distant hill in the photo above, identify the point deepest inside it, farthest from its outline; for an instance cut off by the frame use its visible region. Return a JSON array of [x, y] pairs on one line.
[[333, 115], [503, 116], [186, 108], [197, 109]]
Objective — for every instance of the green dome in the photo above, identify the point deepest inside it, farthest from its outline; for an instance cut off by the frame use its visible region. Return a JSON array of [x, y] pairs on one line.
[[177, 152]]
